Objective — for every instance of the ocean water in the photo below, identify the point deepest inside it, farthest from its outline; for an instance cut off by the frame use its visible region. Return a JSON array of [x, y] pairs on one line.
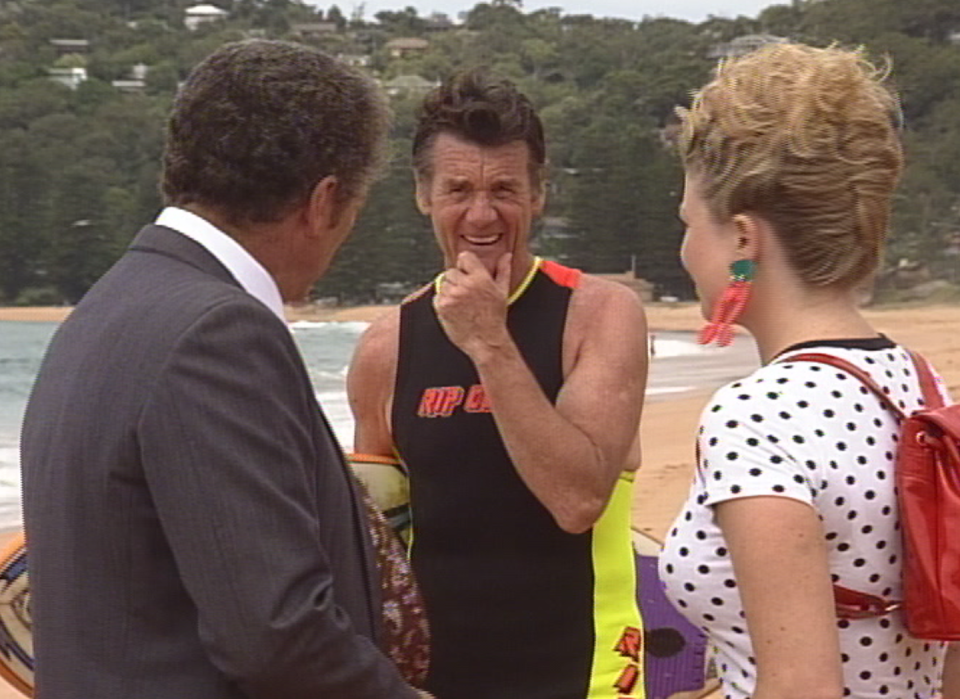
[[679, 365]]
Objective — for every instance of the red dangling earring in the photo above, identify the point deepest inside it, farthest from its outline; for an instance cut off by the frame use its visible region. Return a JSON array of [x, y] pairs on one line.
[[730, 305]]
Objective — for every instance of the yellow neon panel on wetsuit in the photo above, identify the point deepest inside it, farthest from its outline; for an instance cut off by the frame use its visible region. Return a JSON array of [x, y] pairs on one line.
[[617, 670]]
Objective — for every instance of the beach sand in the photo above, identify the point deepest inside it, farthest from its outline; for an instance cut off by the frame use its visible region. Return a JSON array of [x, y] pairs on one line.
[[669, 423]]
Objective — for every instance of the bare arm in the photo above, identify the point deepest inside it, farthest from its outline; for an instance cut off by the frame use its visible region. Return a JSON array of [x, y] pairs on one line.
[[370, 380], [569, 454], [951, 672], [784, 579]]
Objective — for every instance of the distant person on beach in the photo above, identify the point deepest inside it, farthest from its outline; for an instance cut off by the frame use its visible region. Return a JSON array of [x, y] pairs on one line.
[[510, 388], [792, 155], [193, 530]]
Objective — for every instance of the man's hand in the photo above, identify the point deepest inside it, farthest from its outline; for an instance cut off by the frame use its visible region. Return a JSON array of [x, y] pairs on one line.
[[472, 305]]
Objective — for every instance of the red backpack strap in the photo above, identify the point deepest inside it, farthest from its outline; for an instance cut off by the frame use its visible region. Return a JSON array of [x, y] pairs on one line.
[[853, 604], [856, 372], [932, 398]]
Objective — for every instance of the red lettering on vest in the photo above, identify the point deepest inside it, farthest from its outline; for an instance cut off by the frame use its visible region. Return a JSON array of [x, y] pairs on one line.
[[477, 401], [440, 401], [628, 679], [630, 643]]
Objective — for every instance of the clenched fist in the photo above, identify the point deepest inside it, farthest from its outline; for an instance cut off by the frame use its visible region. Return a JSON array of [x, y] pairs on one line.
[[472, 305]]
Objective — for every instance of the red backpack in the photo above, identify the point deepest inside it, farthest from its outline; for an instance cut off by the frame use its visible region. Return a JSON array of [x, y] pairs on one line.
[[928, 494]]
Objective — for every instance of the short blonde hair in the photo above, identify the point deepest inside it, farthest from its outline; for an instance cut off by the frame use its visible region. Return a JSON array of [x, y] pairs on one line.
[[808, 139]]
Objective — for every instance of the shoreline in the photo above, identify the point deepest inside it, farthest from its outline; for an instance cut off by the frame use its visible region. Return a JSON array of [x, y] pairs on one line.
[[925, 328]]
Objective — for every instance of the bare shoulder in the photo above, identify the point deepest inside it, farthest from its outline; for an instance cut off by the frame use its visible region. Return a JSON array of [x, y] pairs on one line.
[[598, 301], [605, 321], [383, 333], [375, 356]]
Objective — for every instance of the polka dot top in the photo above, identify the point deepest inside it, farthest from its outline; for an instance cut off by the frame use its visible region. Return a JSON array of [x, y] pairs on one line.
[[815, 434]]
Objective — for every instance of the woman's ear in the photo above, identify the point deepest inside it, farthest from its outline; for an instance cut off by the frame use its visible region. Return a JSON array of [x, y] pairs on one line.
[[750, 232]]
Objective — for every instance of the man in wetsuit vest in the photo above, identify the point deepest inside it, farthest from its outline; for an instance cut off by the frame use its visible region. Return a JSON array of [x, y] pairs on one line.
[[510, 389]]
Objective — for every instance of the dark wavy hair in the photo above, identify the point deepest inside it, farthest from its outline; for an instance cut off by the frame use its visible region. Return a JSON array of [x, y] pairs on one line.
[[478, 108], [259, 123]]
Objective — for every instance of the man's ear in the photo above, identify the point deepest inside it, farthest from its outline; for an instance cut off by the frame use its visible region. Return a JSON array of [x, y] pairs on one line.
[[423, 194], [324, 208], [539, 198]]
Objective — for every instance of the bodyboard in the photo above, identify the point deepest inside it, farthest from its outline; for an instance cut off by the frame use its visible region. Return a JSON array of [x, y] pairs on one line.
[[16, 626]]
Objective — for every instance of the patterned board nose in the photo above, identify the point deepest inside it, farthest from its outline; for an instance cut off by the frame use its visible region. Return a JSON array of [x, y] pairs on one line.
[[675, 650], [16, 640]]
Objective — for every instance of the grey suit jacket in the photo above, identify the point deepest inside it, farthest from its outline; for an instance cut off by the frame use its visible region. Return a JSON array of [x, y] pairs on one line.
[[192, 530]]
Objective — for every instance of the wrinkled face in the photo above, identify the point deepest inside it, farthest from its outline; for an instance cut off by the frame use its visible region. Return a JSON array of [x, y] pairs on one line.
[[709, 247], [480, 199]]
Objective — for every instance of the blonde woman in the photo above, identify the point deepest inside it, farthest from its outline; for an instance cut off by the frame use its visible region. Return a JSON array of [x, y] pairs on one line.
[[791, 155]]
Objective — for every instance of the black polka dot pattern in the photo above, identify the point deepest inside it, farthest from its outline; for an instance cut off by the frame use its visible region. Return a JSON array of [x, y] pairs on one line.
[[805, 432]]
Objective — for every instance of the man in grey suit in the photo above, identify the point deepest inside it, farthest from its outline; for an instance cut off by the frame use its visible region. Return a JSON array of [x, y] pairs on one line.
[[193, 531]]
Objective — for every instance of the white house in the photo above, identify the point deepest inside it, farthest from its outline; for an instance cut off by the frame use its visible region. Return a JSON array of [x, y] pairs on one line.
[[201, 14], [69, 77]]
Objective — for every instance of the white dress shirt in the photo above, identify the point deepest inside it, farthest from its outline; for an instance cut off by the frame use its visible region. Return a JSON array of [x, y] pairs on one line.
[[251, 275]]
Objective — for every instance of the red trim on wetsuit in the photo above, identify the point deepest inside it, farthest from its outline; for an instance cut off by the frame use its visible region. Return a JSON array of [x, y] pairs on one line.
[[564, 276]]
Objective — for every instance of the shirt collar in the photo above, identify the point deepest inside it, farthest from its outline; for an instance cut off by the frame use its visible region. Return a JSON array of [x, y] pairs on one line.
[[249, 273]]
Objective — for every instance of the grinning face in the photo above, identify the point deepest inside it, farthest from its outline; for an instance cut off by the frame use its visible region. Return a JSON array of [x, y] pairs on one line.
[[709, 247], [480, 199]]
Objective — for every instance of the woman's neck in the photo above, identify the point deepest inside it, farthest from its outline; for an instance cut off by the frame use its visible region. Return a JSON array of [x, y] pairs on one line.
[[782, 320]]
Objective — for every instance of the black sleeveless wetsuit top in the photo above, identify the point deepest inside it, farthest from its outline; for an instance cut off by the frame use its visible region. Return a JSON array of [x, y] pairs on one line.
[[511, 598]]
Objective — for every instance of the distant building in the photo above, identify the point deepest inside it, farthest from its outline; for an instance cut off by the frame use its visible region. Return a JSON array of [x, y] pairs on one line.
[[641, 287], [130, 85], [408, 86], [439, 22], [313, 30], [137, 80], [201, 14], [65, 47], [743, 45], [406, 46], [68, 77], [357, 60]]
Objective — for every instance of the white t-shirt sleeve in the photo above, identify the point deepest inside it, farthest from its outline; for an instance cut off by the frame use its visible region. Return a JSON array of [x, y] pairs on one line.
[[749, 441]]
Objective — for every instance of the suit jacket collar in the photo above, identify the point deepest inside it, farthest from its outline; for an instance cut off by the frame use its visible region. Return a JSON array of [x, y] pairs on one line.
[[166, 241]]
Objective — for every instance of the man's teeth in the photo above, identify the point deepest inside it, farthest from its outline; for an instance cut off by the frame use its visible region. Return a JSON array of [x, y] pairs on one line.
[[484, 240]]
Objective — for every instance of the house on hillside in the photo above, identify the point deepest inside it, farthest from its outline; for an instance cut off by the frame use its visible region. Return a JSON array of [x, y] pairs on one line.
[[67, 47], [357, 60], [201, 14], [408, 86], [439, 22], [641, 287], [407, 46], [135, 82], [313, 31], [72, 76], [743, 45]]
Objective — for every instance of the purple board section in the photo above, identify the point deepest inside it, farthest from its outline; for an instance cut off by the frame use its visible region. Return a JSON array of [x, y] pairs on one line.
[[675, 649]]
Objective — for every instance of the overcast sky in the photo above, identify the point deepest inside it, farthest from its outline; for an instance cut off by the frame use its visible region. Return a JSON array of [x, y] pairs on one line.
[[691, 10]]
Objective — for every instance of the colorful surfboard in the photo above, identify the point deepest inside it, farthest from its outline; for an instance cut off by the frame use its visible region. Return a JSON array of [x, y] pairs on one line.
[[16, 640], [675, 658]]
